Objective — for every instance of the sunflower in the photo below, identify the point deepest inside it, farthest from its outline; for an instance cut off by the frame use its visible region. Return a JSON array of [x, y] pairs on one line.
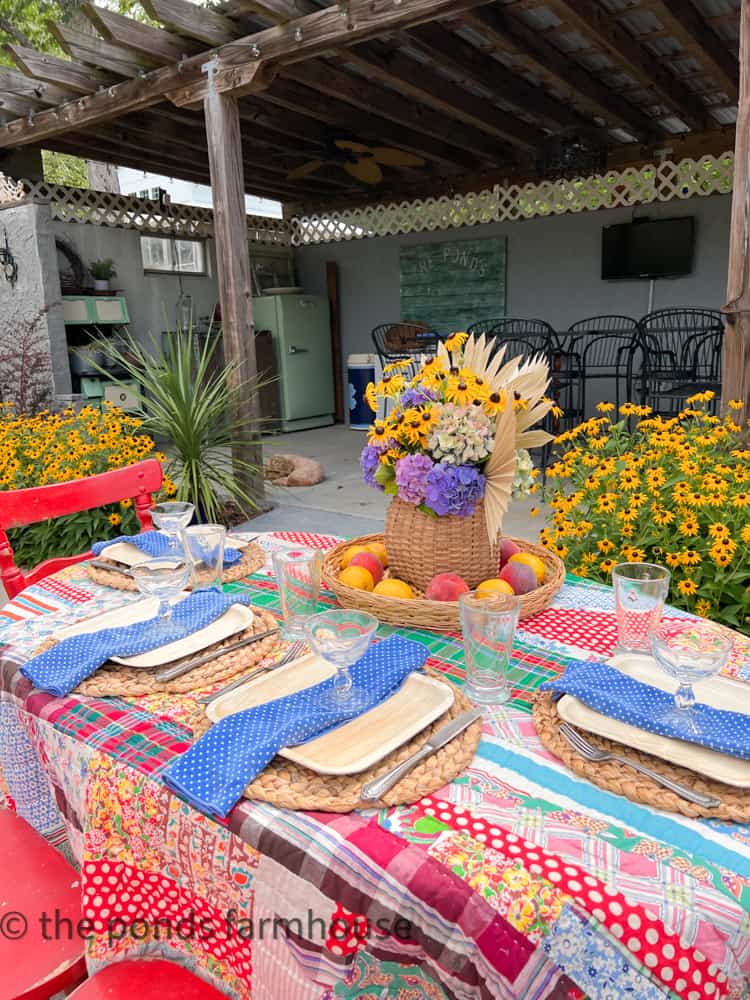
[[687, 587], [459, 390], [494, 403], [456, 341]]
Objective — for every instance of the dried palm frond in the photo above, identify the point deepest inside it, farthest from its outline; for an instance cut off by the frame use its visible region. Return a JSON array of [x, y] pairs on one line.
[[500, 471]]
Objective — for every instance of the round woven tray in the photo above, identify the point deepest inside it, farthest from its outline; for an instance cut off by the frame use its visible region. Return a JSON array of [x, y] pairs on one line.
[[117, 680], [440, 616], [291, 786], [253, 558], [614, 777]]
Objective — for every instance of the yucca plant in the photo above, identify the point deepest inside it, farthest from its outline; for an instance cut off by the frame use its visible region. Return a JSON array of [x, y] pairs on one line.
[[186, 400]]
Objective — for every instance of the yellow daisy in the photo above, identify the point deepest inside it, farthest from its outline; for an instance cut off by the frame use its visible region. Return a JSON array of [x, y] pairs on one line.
[[687, 587], [456, 341], [494, 403], [371, 396], [459, 390]]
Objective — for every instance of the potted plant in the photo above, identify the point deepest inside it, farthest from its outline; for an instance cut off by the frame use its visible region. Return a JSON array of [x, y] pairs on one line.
[[101, 271], [449, 451]]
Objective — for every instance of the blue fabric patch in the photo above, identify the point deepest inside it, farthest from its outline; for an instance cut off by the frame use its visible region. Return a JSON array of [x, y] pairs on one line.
[[155, 544]]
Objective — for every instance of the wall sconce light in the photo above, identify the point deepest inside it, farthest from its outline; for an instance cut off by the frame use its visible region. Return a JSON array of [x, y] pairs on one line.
[[8, 263]]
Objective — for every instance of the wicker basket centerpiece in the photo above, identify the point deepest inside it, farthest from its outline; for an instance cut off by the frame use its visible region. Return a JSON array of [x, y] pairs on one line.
[[452, 452]]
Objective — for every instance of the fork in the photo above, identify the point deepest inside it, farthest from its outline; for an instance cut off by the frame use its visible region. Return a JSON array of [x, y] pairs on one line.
[[292, 653], [587, 750]]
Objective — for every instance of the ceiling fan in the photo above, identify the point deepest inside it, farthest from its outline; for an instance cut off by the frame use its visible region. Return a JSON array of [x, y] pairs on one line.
[[360, 161]]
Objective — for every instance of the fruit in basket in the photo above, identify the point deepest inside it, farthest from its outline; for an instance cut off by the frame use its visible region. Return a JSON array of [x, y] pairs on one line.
[[488, 588], [446, 587], [534, 562], [521, 577], [508, 548], [370, 563], [394, 588], [357, 577], [378, 549], [350, 553]]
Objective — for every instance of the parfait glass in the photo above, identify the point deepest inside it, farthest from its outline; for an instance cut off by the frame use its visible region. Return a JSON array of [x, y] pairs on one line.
[[172, 517], [689, 651], [342, 637], [163, 578]]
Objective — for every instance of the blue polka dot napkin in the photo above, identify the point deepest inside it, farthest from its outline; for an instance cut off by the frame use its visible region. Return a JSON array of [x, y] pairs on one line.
[[63, 667], [213, 773], [619, 696], [155, 544]]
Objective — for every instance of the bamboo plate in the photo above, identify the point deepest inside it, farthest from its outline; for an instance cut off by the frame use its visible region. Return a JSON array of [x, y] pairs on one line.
[[359, 744]]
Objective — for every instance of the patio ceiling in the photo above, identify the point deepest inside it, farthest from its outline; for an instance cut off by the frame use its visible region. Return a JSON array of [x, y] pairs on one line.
[[482, 92]]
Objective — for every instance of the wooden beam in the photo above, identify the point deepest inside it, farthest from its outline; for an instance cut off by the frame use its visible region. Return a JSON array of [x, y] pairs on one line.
[[351, 120], [736, 360], [422, 84], [238, 61], [682, 21], [233, 269], [143, 39], [185, 18], [584, 90], [50, 69], [12, 106], [277, 11], [587, 17], [88, 48], [23, 86]]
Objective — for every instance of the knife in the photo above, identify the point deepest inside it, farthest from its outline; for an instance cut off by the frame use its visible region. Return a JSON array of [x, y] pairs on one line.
[[377, 788], [180, 668], [112, 567]]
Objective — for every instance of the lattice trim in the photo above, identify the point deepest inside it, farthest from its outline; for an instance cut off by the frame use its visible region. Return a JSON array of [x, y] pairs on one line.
[[615, 188], [102, 208], [10, 191]]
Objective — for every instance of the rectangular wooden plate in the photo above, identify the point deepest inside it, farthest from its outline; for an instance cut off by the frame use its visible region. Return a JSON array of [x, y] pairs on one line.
[[719, 692], [358, 744], [235, 619]]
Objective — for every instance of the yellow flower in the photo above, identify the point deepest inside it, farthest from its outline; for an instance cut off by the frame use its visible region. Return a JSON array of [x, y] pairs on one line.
[[703, 607], [494, 403], [390, 385], [722, 557], [456, 341], [379, 431], [661, 516], [689, 557], [395, 366], [633, 554], [459, 390], [371, 396], [169, 487], [745, 534], [605, 407], [520, 404], [735, 404], [672, 559], [687, 587], [688, 527], [605, 545], [607, 565], [606, 503], [629, 480], [741, 499], [126, 504], [114, 519]]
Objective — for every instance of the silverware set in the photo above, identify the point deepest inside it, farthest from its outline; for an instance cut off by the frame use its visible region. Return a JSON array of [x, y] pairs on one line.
[[185, 666], [292, 653]]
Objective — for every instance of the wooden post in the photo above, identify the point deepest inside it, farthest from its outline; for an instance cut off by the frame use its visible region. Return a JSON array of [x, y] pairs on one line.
[[332, 285], [233, 268], [736, 360]]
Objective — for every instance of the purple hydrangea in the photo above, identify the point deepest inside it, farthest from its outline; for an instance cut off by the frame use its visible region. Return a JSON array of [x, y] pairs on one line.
[[369, 461], [416, 396], [454, 489], [411, 477]]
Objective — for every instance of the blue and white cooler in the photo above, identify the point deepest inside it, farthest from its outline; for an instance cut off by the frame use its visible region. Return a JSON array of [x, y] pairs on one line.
[[361, 369]]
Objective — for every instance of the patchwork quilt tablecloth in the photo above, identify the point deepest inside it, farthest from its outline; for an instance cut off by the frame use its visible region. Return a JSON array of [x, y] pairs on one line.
[[518, 880]]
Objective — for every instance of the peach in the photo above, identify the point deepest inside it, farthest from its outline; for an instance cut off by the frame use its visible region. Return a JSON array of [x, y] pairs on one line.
[[446, 587], [370, 562], [508, 548], [522, 578], [350, 553]]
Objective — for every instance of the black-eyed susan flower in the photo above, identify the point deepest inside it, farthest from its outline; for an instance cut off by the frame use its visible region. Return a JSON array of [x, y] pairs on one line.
[[456, 341], [688, 527], [459, 390], [494, 403], [371, 396], [687, 587], [672, 559], [114, 519], [607, 565], [689, 557]]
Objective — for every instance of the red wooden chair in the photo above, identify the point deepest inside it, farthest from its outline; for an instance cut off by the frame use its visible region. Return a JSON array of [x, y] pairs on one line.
[[40, 901], [38, 503], [147, 979]]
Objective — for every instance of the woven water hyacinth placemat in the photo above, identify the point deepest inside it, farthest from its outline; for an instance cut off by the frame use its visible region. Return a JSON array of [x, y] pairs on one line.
[[292, 786], [615, 777], [253, 559], [117, 680]]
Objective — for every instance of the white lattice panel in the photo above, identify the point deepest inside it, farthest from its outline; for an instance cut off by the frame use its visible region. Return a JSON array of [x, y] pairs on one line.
[[10, 191], [102, 208], [633, 186]]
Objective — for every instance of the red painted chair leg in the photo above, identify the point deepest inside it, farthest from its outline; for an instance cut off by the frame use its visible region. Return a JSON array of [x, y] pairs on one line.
[[146, 979]]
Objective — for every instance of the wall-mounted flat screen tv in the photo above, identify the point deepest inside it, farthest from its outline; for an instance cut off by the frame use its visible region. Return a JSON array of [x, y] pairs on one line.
[[648, 248]]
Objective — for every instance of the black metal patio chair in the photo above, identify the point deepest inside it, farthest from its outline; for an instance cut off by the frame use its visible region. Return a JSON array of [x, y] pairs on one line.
[[605, 347], [701, 360], [673, 342]]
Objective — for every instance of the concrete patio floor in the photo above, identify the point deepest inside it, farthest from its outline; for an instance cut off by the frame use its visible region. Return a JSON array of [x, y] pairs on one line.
[[342, 504]]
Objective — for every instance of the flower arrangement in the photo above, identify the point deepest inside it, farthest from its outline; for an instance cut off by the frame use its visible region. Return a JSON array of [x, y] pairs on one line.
[[458, 431], [54, 447], [673, 490]]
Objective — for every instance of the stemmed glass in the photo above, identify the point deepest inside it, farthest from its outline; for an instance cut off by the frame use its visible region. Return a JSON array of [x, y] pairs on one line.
[[171, 517], [342, 637], [163, 578], [689, 652]]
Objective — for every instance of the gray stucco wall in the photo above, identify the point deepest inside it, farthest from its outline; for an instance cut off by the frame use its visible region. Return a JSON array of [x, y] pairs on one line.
[[151, 298], [31, 240], [553, 269]]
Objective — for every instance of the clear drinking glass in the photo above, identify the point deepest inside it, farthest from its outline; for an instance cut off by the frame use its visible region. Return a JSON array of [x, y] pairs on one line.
[[689, 652], [171, 517], [298, 580], [640, 592], [488, 625], [163, 578], [204, 546], [342, 637]]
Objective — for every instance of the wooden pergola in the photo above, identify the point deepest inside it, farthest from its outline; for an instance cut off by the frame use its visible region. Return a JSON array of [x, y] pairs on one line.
[[242, 95]]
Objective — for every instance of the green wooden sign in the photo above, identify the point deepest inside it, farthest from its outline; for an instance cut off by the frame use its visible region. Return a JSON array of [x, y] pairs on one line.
[[452, 285]]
